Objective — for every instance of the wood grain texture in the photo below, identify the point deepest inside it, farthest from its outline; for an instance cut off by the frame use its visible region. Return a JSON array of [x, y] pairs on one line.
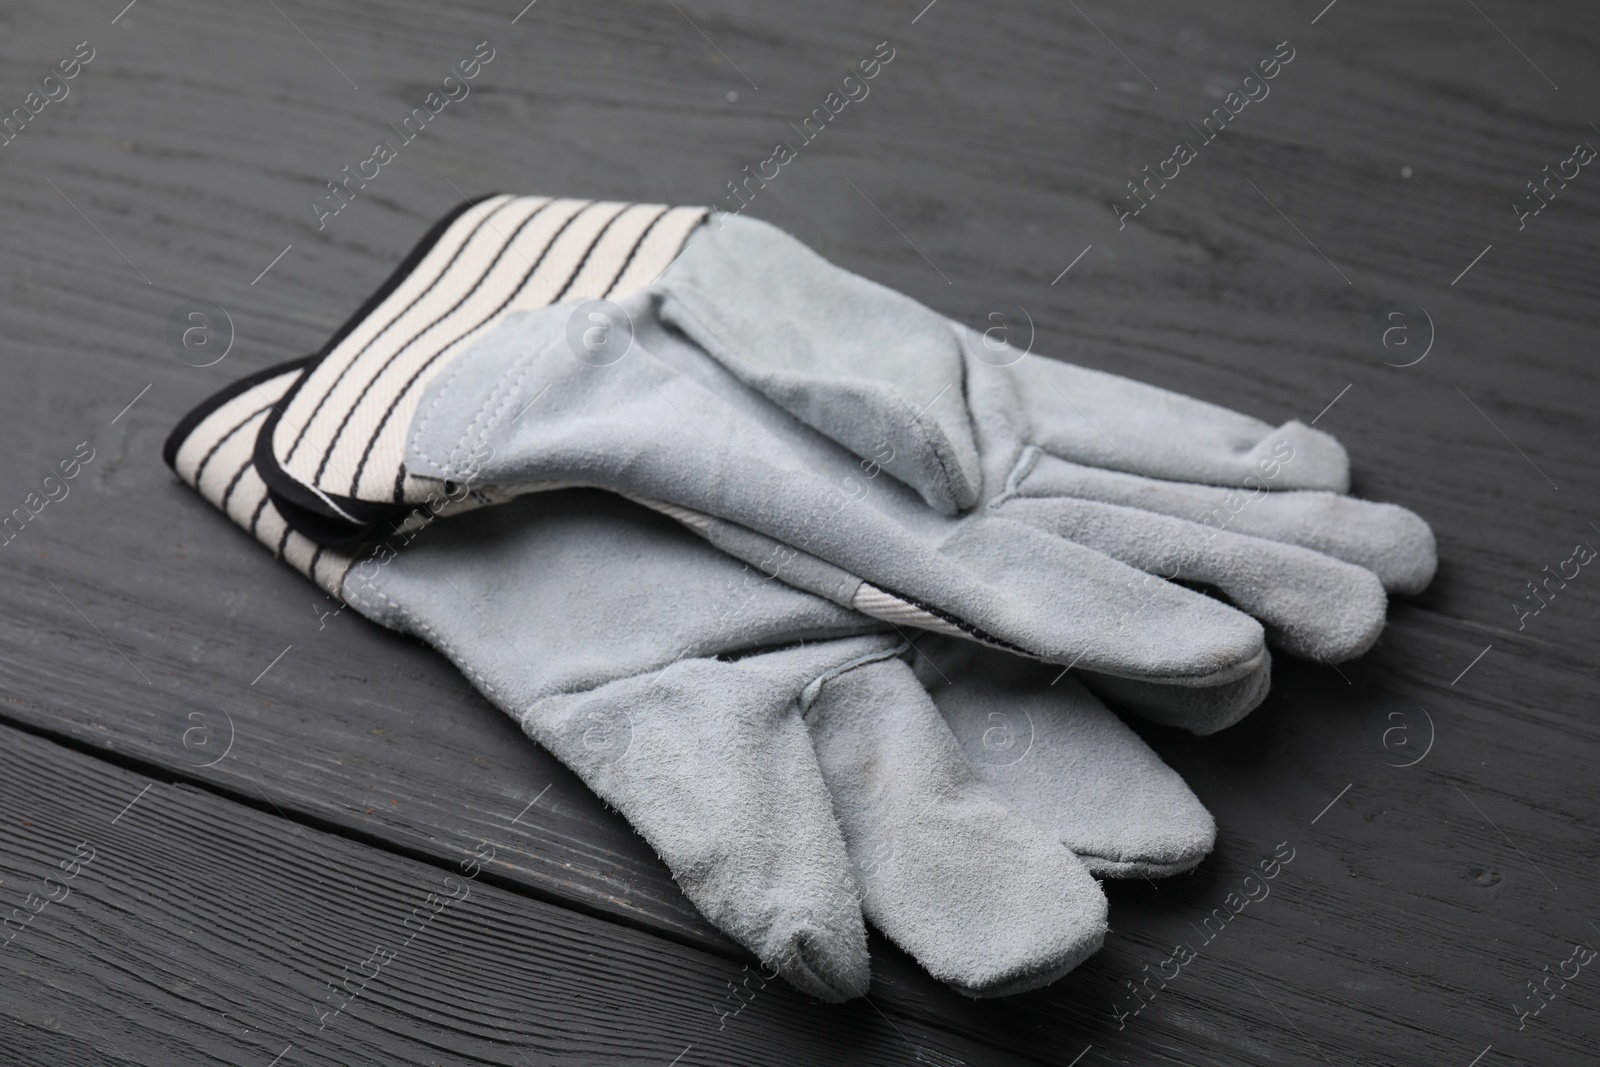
[[983, 162]]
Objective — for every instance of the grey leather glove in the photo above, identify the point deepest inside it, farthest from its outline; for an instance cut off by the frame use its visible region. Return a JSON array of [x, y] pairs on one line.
[[759, 394], [786, 762]]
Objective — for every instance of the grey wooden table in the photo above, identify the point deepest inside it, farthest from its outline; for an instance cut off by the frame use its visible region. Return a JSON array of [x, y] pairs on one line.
[[242, 800]]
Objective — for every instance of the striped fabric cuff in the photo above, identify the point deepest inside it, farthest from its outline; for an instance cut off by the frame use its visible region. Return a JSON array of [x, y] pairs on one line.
[[333, 450], [212, 450]]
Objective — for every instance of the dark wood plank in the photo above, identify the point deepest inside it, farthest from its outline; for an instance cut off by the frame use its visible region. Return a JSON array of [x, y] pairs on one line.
[[994, 142]]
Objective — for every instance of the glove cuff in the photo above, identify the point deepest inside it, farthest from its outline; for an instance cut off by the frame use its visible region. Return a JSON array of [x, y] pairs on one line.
[[211, 450], [335, 448]]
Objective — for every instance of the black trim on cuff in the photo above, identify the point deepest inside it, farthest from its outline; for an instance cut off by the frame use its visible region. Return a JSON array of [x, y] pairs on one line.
[[361, 519], [190, 422], [325, 532]]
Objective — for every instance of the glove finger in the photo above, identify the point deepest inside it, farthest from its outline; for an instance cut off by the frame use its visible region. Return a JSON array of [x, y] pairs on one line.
[[1005, 583], [1198, 710], [710, 762], [988, 901], [1075, 604], [1311, 605], [1103, 420], [1058, 755], [1391, 542]]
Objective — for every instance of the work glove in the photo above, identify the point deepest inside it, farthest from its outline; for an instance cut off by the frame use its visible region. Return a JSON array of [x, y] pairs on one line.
[[855, 444], [775, 749]]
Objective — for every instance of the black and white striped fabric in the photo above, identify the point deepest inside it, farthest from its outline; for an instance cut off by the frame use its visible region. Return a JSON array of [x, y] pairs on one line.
[[212, 450], [335, 447]]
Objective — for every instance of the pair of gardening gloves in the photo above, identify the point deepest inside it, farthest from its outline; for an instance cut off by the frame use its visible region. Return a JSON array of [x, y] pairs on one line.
[[835, 635]]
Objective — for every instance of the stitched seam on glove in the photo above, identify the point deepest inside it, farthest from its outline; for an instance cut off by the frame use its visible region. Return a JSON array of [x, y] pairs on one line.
[[1027, 459], [813, 689], [508, 385]]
